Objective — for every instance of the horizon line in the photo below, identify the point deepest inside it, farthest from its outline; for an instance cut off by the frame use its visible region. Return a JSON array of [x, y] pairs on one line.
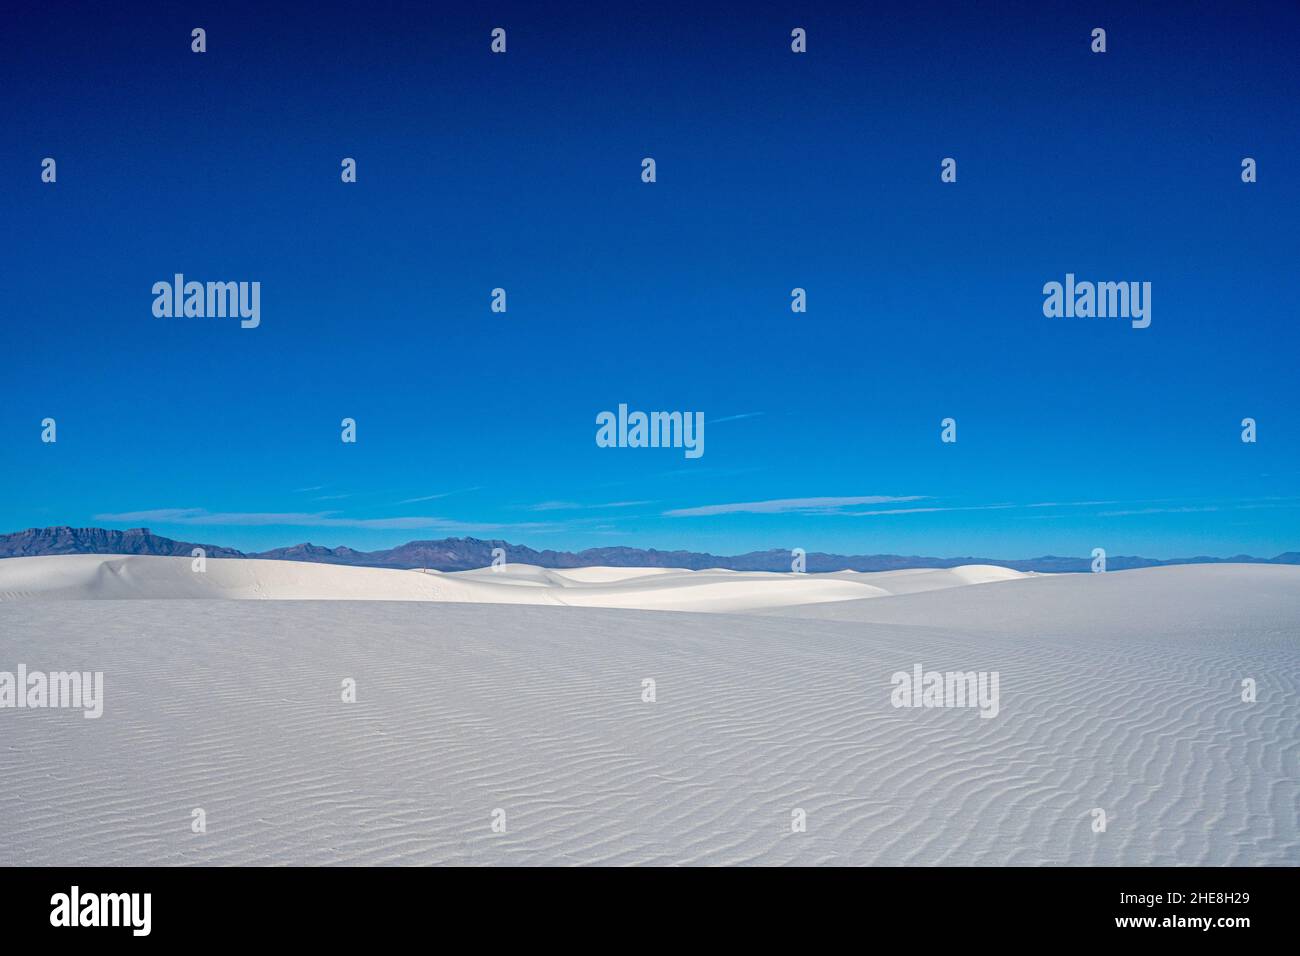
[[144, 530]]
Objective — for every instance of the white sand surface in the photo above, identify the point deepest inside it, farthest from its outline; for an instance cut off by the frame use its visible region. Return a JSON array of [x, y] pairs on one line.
[[90, 576], [1119, 692]]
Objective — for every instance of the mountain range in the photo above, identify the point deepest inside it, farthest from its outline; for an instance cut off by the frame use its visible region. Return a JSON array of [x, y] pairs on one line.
[[463, 554]]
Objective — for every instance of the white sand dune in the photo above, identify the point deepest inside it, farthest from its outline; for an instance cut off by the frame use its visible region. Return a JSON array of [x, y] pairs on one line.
[[1119, 692], [106, 577], [110, 577]]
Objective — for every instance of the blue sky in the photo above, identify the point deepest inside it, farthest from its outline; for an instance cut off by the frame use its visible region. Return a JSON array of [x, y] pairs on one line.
[[775, 170]]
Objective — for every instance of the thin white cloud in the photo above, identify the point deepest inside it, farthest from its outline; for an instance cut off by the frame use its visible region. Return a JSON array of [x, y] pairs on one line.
[[444, 494], [411, 501], [917, 511], [1152, 511], [576, 506], [786, 505], [1069, 504], [735, 418], [323, 519]]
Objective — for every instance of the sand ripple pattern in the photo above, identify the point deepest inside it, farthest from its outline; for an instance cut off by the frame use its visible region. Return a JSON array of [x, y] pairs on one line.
[[235, 707]]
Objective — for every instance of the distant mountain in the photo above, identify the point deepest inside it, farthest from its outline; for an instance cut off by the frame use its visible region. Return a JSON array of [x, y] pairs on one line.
[[463, 554], [38, 541]]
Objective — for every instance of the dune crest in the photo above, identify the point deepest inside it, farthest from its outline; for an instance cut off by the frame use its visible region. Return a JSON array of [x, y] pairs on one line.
[[115, 577]]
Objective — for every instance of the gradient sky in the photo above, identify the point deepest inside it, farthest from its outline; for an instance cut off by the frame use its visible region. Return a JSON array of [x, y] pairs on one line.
[[775, 170]]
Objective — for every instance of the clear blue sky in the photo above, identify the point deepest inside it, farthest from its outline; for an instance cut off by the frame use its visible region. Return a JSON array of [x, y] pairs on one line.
[[775, 170]]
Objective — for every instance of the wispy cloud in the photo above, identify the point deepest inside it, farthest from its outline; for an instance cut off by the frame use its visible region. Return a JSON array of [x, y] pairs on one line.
[[842, 507], [577, 506], [411, 501], [1153, 511], [786, 505], [1069, 504], [918, 511], [443, 494], [322, 519], [735, 418]]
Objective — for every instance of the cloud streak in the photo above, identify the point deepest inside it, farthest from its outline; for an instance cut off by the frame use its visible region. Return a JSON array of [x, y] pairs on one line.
[[320, 519], [1154, 511], [443, 494], [790, 505], [577, 506], [919, 511]]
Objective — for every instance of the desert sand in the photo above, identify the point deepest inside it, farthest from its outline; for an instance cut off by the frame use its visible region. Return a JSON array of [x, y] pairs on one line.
[[93, 576], [1120, 692]]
